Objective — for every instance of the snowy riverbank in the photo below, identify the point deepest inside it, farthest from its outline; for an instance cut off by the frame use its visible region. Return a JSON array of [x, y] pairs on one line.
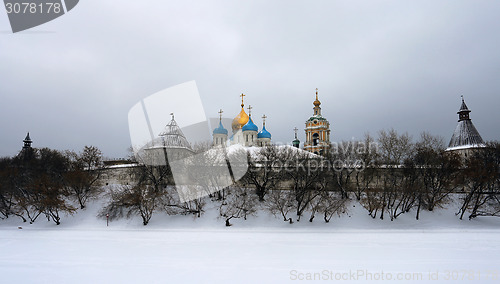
[[263, 249]]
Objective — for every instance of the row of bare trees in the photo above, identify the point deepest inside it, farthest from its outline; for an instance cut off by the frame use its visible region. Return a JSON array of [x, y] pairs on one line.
[[290, 181], [389, 175], [46, 182], [279, 180], [399, 175], [153, 191]]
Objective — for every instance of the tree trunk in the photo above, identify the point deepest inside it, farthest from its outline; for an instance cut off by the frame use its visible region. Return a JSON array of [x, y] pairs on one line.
[[418, 208], [326, 218]]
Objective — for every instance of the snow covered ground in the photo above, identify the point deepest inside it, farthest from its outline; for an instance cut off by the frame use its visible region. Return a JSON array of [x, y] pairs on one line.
[[181, 249]]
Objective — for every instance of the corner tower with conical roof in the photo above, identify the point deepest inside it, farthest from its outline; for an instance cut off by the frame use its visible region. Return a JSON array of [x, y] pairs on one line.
[[27, 142], [466, 138], [170, 145], [317, 131], [27, 152]]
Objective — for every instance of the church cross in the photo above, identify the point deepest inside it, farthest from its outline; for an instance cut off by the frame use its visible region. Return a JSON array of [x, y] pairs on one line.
[[264, 119], [250, 110], [220, 114], [242, 95], [295, 129]]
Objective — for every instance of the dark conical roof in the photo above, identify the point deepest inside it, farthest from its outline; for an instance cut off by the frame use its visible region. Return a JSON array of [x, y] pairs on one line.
[[27, 139], [463, 107], [466, 135]]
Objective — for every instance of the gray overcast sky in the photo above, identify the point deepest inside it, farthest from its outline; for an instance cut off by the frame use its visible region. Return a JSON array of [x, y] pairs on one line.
[[377, 64]]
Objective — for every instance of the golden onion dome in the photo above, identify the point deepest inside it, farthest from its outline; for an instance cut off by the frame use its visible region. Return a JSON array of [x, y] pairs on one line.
[[316, 102], [240, 120]]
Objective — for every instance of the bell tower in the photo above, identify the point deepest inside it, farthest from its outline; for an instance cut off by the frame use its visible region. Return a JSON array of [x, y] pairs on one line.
[[317, 131]]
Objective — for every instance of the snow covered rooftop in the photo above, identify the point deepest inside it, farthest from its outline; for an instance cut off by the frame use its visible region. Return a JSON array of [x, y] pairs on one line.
[[255, 151], [465, 136]]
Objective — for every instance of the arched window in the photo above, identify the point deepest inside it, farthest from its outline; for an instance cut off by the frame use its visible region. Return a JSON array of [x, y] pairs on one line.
[[315, 139]]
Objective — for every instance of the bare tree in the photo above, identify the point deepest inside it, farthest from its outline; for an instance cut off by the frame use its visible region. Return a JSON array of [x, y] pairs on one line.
[[394, 150], [439, 172], [304, 174], [345, 161], [481, 179], [368, 158], [146, 194], [332, 204], [373, 201], [281, 203], [239, 204], [328, 202], [265, 170], [126, 201], [84, 173], [7, 188], [42, 187]]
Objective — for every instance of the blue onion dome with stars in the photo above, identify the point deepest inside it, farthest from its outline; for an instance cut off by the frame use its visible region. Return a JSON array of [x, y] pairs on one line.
[[264, 133], [220, 129], [250, 126]]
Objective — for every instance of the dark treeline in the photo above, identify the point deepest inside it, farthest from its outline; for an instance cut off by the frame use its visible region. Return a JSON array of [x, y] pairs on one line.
[[389, 176], [46, 182]]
